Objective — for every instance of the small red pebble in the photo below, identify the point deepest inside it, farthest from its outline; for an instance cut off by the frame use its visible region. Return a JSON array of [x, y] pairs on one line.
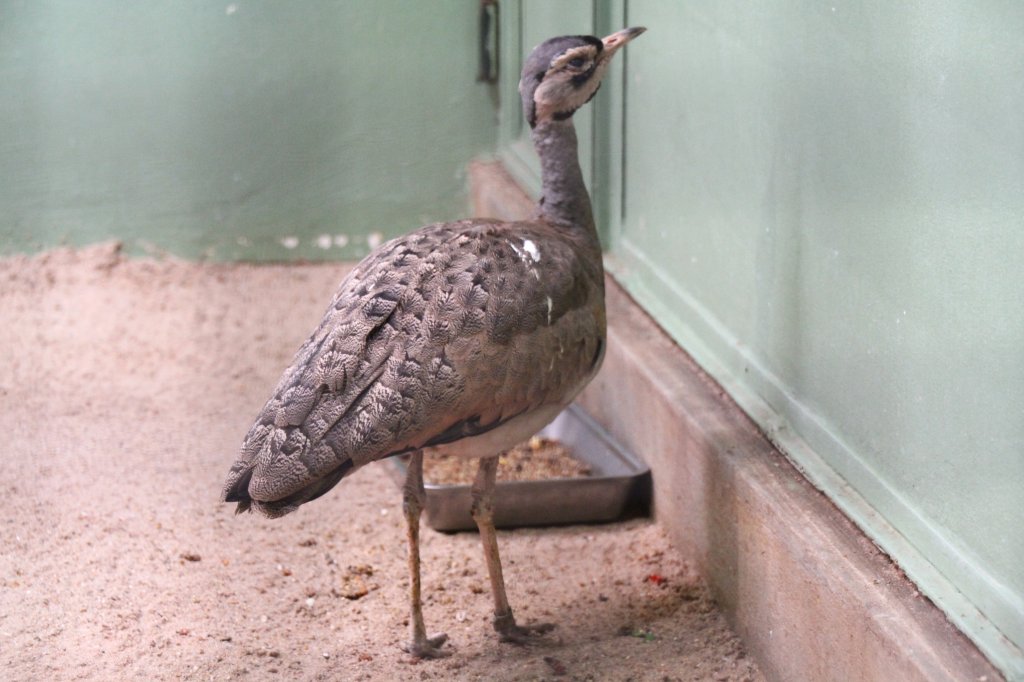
[[656, 579], [183, 632]]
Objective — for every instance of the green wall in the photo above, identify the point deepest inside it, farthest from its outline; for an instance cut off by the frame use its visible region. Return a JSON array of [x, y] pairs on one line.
[[232, 129], [824, 204]]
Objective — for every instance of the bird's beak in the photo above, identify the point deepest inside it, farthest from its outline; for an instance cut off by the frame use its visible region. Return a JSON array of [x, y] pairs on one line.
[[620, 38]]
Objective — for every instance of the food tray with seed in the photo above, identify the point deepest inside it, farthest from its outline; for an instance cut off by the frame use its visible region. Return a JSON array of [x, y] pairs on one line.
[[601, 486]]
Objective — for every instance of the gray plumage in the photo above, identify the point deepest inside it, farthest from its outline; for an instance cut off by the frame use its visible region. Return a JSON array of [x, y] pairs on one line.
[[466, 336], [446, 332]]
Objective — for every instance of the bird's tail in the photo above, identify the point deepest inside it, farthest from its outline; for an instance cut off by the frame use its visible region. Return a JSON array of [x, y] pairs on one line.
[[237, 487]]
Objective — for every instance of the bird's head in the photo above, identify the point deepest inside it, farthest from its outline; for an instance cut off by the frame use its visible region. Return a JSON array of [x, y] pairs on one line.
[[562, 74]]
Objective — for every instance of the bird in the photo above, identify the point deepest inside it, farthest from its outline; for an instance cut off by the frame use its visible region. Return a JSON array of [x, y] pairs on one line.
[[463, 337]]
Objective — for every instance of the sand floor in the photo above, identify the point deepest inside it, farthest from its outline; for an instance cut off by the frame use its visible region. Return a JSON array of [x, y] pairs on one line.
[[126, 387]]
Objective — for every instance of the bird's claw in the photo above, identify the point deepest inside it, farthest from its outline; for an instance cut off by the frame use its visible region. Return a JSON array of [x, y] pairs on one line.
[[509, 631], [428, 647]]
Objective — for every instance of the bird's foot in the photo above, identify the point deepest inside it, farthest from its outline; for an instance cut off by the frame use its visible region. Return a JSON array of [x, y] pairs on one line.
[[428, 647], [509, 631]]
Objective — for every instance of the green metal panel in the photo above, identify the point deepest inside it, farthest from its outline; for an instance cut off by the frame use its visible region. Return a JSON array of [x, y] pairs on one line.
[[236, 129], [824, 203]]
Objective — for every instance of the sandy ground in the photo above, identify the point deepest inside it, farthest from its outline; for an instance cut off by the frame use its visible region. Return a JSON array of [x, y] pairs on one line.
[[126, 387]]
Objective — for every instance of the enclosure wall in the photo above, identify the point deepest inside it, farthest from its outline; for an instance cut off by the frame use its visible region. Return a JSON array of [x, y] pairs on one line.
[[236, 129], [822, 202]]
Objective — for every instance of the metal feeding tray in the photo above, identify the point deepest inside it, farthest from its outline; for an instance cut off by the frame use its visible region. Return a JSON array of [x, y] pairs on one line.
[[618, 481]]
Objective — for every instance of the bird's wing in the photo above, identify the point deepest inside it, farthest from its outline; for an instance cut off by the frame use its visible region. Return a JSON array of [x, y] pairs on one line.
[[445, 333]]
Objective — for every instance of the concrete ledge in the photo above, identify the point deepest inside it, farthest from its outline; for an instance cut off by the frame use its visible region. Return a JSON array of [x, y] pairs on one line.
[[811, 596]]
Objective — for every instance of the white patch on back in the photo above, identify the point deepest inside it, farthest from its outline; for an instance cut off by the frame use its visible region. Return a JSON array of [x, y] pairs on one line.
[[532, 249], [529, 254]]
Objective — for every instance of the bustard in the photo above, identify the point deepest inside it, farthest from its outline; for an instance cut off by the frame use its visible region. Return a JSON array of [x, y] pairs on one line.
[[467, 337]]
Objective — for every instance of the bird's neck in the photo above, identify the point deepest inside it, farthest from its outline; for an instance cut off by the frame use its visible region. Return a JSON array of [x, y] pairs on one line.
[[564, 199]]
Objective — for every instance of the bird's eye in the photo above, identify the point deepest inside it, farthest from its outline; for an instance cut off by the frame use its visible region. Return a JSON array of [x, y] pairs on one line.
[[576, 62]]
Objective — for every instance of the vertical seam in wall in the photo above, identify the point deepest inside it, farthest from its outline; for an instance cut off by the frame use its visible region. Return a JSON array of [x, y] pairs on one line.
[[595, 126], [625, 147]]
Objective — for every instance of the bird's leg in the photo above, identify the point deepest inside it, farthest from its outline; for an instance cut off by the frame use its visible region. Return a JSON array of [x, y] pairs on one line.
[[483, 514], [413, 497]]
